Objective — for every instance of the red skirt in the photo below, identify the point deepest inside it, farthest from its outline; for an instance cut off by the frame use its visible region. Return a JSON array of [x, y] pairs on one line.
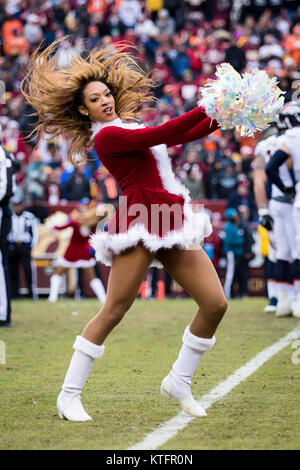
[[159, 211], [156, 218]]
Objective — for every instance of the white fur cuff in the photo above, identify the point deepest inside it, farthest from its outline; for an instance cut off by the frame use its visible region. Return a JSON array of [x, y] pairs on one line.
[[88, 348], [194, 342]]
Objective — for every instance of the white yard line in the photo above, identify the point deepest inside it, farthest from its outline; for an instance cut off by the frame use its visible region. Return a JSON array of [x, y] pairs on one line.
[[170, 428]]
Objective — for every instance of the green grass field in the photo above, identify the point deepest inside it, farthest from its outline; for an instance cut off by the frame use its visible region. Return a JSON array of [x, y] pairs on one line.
[[122, 392]]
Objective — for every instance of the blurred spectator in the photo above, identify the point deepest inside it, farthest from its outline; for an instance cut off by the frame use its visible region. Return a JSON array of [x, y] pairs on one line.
[[194, 182], [13, 140], [270, 49], [94, 36], [32, 29], [14, 41], [188, 88], [55, 156], [213, 243], [165, 23], [97, 6], [226, 180], [211, 176], [292, 43], [179, 61], [221, 11], [78, 185], [194, 54], [237, 246], [143, 27], [65, 53], [38, 209], [151, 45], [176, 9], [52, 187], [109, 190], [129, 11], [153, 6], [193, 156], [52, 151], [235, 55], [35, 177], [66, 171], [243, 196]]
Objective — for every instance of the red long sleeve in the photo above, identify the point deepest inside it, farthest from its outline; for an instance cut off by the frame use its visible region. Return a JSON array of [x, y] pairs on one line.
[[71, 223], [202, 129], [113, 140]]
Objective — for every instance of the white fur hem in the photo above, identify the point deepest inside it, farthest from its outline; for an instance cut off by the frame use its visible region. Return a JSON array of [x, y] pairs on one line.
[[196, 226], [81, 263], [197, 343], [91, 349]]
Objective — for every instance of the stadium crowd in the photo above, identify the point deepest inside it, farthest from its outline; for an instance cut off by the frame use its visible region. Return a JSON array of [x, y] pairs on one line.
[[182, 42]]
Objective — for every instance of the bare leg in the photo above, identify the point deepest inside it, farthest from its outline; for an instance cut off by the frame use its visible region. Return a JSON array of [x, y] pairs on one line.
[[59, 270], [127, 272], [193, 270], [90, 273]]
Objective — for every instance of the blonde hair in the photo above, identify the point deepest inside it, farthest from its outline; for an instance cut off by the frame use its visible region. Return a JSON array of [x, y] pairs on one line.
[[56, 93]]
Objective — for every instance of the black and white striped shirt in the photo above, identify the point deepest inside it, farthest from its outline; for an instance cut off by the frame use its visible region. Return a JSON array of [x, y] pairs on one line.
[[24, 229], [7, 176]]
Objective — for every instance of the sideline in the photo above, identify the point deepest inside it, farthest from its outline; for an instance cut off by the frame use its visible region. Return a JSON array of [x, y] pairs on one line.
[[170, 428]]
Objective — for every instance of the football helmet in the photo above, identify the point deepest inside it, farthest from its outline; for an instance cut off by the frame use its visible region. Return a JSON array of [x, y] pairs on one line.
[[289, 115]]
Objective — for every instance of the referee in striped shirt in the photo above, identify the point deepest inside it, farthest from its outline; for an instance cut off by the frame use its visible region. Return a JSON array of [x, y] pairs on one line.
[[22, 238], [7, 187]]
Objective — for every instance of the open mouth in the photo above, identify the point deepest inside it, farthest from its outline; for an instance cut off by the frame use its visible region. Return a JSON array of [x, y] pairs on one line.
[[108, 110]]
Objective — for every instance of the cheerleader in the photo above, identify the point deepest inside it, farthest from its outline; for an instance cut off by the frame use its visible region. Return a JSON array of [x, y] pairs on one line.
[[78, 255], [91, 101]]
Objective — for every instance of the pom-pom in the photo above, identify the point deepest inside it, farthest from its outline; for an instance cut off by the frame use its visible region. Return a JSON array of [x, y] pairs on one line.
[[59, 218], [247, 103]]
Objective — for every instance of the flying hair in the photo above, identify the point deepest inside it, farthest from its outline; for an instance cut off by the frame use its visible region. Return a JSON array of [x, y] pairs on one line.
[[56, 92]]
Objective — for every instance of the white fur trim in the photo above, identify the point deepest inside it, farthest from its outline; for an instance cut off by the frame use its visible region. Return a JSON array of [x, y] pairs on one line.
[[88, 348], [107, 245], [196, 225], [169, 180], [197, 343], [97, 126], [81, 263]]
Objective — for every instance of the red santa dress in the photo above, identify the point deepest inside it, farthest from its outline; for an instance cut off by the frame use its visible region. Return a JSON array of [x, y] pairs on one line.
[[155, 207], [79, 252]]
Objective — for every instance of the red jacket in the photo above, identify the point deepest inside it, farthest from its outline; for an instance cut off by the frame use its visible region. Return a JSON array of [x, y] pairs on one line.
[[129, 156]]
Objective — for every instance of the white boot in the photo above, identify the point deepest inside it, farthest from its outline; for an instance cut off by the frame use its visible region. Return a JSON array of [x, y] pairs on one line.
[[69, 404], [178, 382], [296, 306], [97, 287], [283, 308], [55, 281]]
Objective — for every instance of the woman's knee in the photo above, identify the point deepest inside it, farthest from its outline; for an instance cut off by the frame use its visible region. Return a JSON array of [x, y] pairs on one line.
[[215, 308], [114, 312], [223, 305]]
